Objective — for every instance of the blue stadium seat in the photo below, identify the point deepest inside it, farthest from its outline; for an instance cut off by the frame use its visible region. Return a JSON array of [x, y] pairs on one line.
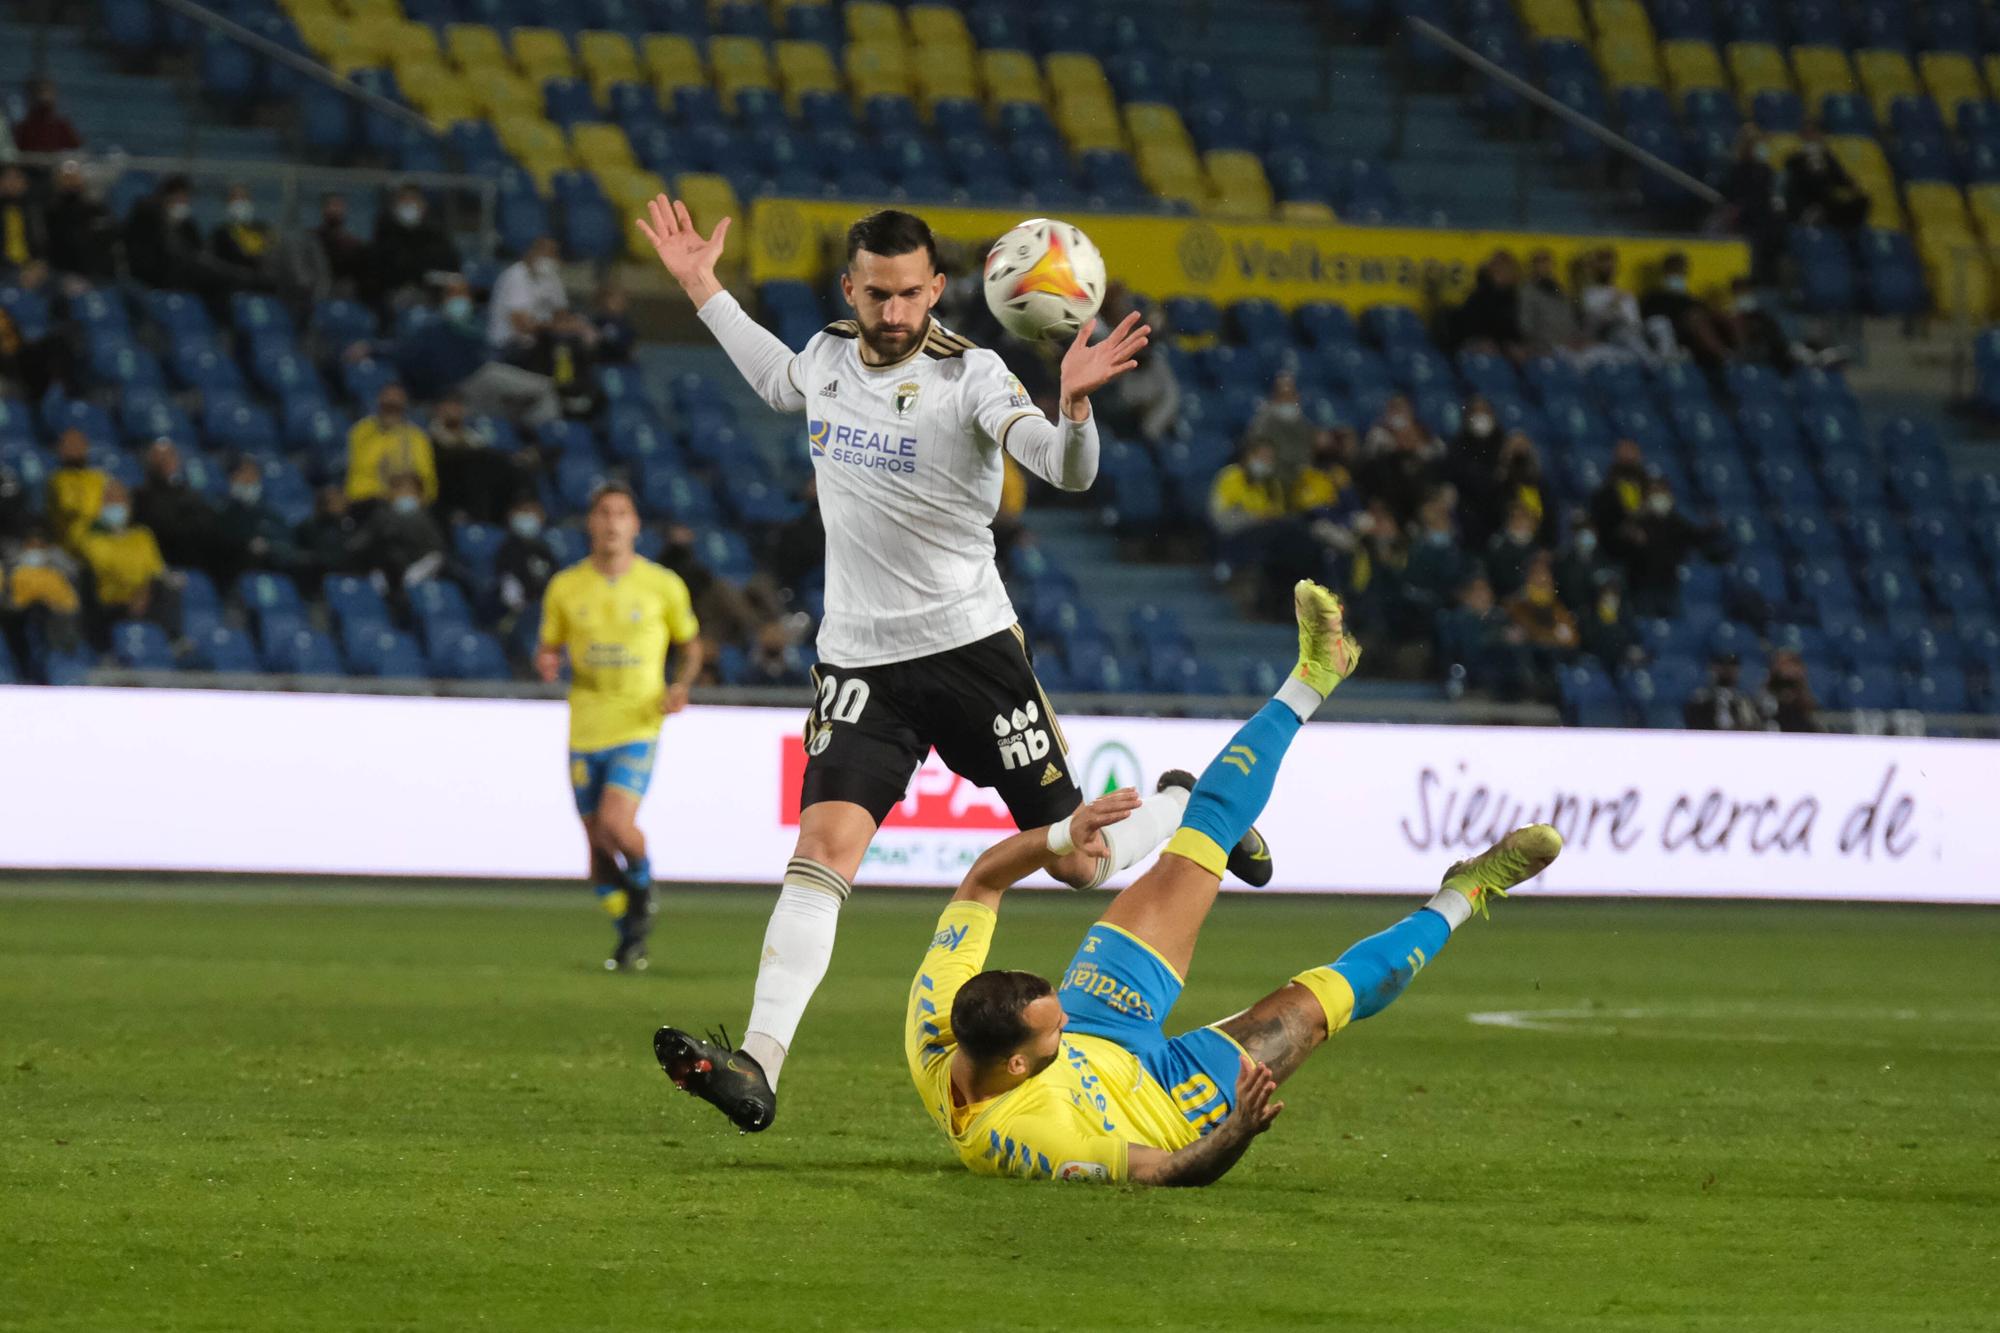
[[478, 546], [386, 654], [303, 652], [141, 645], [469, 654], [220, 648], [354, 601]]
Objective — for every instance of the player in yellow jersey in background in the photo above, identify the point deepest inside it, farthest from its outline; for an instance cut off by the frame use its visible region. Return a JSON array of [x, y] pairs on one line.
[[1078, 1081], [616, 615]]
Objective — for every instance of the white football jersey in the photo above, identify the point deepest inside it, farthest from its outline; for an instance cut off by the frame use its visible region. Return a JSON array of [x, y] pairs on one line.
[[908, 459]]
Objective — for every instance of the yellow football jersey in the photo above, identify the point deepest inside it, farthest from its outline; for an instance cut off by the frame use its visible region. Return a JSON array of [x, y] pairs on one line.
[[617, 632], [1073, 1121]]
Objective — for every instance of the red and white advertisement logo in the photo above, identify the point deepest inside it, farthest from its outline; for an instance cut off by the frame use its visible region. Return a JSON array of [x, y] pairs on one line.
[[937, 798]]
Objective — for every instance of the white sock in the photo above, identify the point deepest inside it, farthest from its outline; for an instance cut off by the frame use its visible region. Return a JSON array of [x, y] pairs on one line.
[[1300, 697], [1453, 906], [1135, 837], [798, 945]]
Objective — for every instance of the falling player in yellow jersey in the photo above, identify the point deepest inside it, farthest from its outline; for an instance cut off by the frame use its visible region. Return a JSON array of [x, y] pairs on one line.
[[1078, 1080], [616, 614]]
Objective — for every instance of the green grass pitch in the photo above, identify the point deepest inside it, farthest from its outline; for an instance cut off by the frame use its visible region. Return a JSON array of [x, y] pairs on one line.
[[234, 1107]]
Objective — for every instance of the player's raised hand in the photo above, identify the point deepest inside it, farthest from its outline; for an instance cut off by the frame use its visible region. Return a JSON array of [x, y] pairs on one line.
[[1087, 825], [1255, 1110], [1088, 367], [687, 254]]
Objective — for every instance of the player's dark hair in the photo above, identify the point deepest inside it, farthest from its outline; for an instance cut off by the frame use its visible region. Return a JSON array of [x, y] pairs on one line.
[[891, 231], [989, 1014], [606, 489]]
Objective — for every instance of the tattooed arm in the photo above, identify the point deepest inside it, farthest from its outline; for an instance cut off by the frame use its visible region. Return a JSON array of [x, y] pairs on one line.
[[1207, 1160]]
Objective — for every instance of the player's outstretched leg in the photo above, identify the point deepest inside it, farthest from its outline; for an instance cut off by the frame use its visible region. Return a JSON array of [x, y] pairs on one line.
[[1283, 1028]]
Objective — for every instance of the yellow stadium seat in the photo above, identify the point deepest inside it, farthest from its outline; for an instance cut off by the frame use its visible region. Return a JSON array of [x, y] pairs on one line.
[[1075, 74], [1990, 66], [474, 46], [1985, 201], [739, 63], [375, 9], [1090, 125], [345, 47], [673, 62], [874, 23], [1156, 123], [543, 54], [877, 70], [1621, 17], [415, 40], [939, 27], [1554, 18], [1012, 76], [446, 98], [1628, 60], [1957, 271], [1937, 207], [1692, 65], [945, 72], [804, 67], [1869, 167], [1885, 76], [1821, 70], [1756, 67], [607, 58], [536, 144], [1238, 187], [502, 93], [1310, 212], [602, 147], [709, 199], [1951, 78]]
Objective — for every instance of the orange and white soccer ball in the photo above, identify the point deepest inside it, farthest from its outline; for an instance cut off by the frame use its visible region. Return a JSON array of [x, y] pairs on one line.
[[1044, 279]]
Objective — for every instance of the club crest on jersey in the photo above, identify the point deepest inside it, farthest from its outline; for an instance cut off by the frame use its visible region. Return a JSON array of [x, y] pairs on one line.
[[906, 397]]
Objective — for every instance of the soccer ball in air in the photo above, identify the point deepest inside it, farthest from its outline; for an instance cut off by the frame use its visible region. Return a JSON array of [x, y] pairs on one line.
[[1044, 279]]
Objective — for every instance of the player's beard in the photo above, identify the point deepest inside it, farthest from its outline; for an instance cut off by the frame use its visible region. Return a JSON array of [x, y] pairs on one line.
[[884, 347]]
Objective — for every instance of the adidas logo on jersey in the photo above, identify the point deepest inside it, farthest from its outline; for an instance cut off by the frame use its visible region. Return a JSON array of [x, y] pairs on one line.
[[832, 389], [1023, 741], [1051, 776]]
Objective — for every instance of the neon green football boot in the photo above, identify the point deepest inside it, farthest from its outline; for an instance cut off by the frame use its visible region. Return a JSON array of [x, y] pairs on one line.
[[1328, 654], [1515, 859]]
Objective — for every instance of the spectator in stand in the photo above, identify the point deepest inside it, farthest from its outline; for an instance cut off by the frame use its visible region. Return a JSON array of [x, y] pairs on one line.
[[386, 445], [1788, 693], [164, 248], [1247, 496], [346, 255], [179, 518], [1324, 487], [1437, 564], [1619, 506], [76, 489], [1490, 318], [248, 532], [1613, 328], [1581, 567], [1753, 205], [612, 325], [1145, 402], [1380, 556], [1546, 625], [1718, 705], [1754, 335], [475, 476], [409, 247], [329, 540], [1280, 421], [45, 129], [1478, 636], [449, 354], [1667, 538], [1549, 320], [125, 561], [774, 656], [40, 597], [399, 542], [524, 563], [1818, 191], [1517, 479], [34, 363], [14, 516], [1470, 462], [1607, 630], [240, 240], [1512, 550], [1672, 310], [24, 233], [81, 232], [527, 305], [1401, 467]]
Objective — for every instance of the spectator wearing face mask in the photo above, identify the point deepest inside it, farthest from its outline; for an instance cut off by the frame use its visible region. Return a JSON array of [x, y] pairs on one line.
[[524, 563], [24, 233], [1437, 565], [1545, 623], [1248, 494], [1667, 539], [1474, 451], [1676, 312], [1753, 205], [76, 489], [1818, 190], [1401, 465], [1325, 487], [1280, 421], [249, 533], [180, 519], [1476, 635], [1754, 333], [1613, 328], [162, 243], [1606, 627], [1512, 550], [528, 299], [387, 444], [125, 561], [345, 254], [1618, 507], [329, 540], [1788, 693], [38, 597], [475, 476], [1719, 705], [1581, 567], [240, 239], [1549, 320], [400, 542], [81, 234], [613, 325], [449, 355], [409, 247]]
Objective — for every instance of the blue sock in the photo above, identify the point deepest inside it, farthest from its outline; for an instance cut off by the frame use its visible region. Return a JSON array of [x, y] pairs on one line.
[[1235, 786], [639, 871], [1378, 968]]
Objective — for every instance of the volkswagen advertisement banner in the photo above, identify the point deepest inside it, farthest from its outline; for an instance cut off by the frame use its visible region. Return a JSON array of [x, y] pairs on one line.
[[176, 780]]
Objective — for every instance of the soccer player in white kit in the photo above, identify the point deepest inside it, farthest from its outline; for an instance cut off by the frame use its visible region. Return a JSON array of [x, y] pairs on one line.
[[919, 647]]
